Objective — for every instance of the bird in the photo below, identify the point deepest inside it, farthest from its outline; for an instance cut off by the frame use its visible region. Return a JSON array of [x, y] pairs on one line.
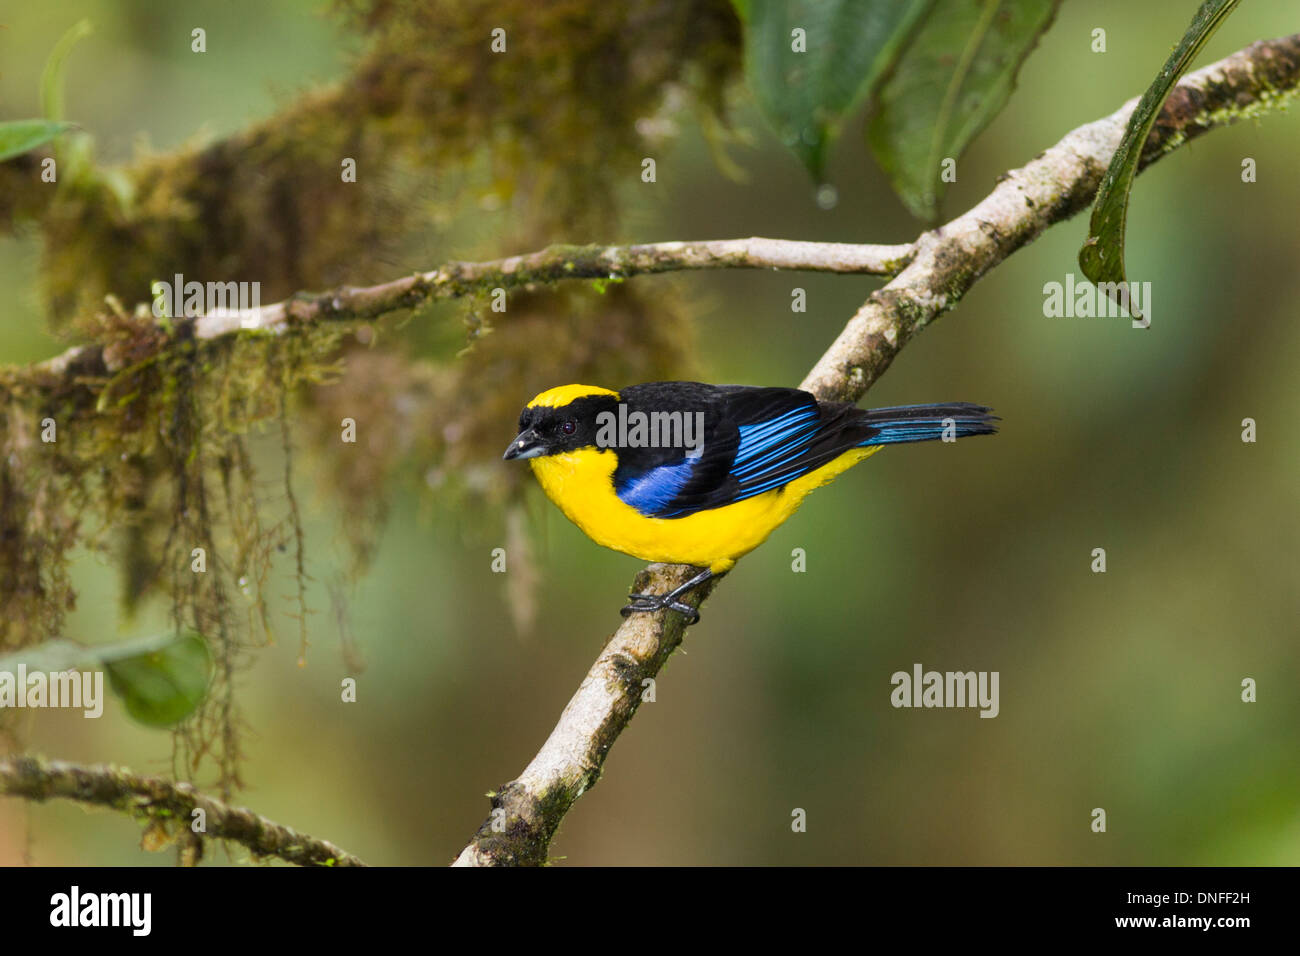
[[697, 474]]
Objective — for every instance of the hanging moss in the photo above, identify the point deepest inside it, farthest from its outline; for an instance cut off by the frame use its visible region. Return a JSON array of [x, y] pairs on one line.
[[157, 432], [440, 128]]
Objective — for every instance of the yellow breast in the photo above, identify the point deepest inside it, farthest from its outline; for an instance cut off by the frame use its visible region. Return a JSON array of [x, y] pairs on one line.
[[581, 483]]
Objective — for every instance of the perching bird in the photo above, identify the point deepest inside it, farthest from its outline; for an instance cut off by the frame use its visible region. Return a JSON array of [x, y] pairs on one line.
[[687, 473]]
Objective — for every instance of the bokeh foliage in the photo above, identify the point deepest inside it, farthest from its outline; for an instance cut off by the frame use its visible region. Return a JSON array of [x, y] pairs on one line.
[[1119, 690], [154, 457]]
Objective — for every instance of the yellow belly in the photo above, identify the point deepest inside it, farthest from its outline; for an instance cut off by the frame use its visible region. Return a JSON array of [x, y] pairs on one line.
[[581, 484]]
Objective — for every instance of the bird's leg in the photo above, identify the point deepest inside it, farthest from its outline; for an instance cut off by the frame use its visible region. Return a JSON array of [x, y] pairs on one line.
[[657, 602]]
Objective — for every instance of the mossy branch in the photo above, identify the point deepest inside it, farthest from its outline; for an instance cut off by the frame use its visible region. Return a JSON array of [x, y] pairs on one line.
[[458, 279], [430, 121], [945, 263], [163, 803]]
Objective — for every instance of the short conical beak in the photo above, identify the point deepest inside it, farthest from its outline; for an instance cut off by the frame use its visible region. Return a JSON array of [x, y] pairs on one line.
[[526, 445]]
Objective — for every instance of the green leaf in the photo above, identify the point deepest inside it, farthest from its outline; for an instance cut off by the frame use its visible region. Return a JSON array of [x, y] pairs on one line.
[[163, 686], [954, 77], [849, 45], [161, 679], [61, 655], [52, 76], [20, 136], [1102, 255]]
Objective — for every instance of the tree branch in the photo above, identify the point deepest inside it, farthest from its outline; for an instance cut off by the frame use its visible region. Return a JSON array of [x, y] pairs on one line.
[[552, 264], [930, 274], [156, 799], [946, 262]]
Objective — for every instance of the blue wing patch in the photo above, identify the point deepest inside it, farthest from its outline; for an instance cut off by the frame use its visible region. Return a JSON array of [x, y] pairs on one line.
[[763, 455], [652, 492]]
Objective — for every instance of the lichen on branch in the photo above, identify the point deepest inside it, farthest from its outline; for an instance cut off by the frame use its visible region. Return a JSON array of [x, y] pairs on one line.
[[167, 810]]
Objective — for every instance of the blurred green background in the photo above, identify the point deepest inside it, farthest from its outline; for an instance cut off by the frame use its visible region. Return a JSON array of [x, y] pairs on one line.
[[1118, 690]]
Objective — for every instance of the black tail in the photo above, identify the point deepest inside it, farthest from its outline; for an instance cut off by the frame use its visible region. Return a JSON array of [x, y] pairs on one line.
[[927, 422]]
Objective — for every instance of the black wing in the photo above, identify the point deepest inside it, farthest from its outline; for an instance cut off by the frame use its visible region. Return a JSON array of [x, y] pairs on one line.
[[754, 440]]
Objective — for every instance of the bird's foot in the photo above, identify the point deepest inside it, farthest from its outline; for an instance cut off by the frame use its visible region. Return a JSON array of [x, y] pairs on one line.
[[649, 603]]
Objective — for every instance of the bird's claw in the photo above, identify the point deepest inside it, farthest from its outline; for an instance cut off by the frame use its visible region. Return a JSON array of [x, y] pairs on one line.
[[649, 603]]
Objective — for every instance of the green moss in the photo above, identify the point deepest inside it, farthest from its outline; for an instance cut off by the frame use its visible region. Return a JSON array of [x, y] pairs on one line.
[[438, 125], [157, 431]]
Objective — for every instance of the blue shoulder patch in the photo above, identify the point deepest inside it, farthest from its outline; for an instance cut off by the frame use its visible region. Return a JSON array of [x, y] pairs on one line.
[[652, 492]]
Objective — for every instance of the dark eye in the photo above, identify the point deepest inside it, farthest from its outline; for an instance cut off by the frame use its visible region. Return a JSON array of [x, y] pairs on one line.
[[569, 426]]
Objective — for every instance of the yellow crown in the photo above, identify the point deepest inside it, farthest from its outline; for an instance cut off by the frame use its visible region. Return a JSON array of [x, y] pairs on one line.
[[562, 395]]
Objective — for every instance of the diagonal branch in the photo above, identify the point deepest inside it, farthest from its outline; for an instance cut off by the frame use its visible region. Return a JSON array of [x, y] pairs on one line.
[[159, 800], [946, 262]]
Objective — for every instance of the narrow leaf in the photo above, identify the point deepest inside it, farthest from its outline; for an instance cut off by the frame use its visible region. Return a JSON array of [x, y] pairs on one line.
[[809, 63], [1102, 255], [21, 136], [62, 655], [954, 77]]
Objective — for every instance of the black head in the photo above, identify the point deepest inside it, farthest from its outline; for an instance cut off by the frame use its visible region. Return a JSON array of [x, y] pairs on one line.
[[549, 428]]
